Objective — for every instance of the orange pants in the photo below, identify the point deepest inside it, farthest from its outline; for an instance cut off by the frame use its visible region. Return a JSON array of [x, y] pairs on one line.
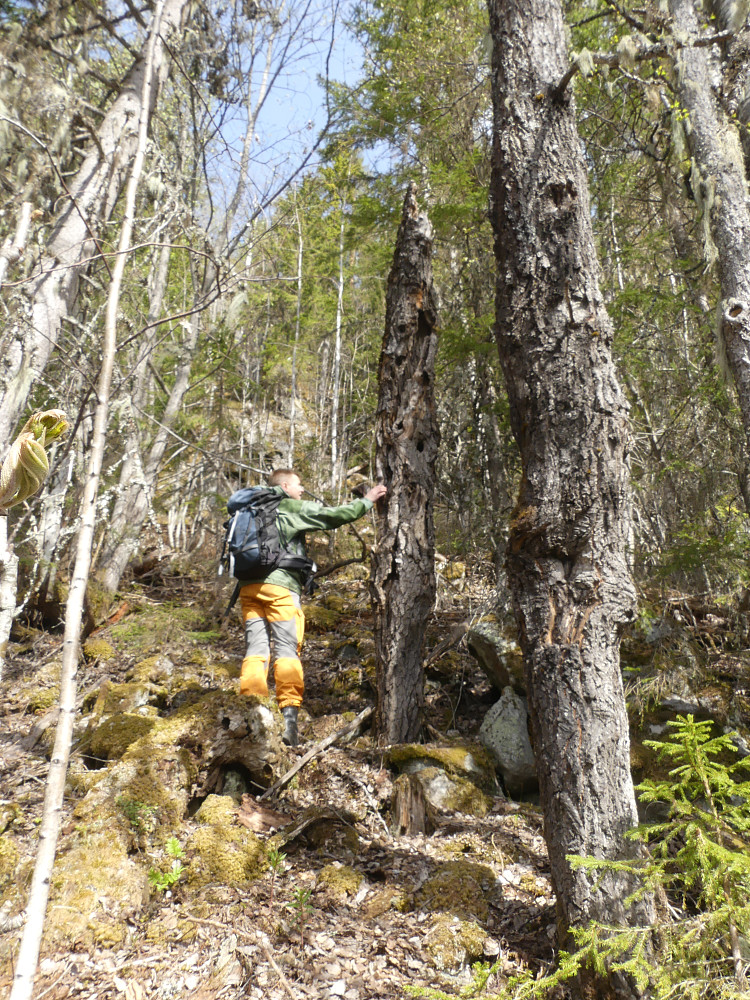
[[272, 613]]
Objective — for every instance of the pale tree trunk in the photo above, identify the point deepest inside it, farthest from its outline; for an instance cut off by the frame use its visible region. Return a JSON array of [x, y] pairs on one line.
[[566, 556], [336, 395], [28, 955], [722, 192], [131, 507], [124, 535], [8, 586], [12, 250], [10, 253], [93, 193], [402, 585], [293, 405]]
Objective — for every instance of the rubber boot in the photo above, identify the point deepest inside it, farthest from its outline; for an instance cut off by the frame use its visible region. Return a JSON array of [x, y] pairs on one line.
[[290, 736]]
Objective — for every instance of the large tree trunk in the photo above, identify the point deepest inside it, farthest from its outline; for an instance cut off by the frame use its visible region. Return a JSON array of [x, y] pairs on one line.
[[566, 558], [722, 193], [403, 567], [93, 194]]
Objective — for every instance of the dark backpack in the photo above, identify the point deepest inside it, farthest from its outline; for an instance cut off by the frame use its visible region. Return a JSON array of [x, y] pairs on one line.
[[252, 547]]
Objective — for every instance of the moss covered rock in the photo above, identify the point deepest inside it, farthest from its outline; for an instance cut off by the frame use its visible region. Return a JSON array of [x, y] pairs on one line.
[[157, 669], [453, 943], [319, 618], [94, 885], [8, 861], [448, 794], [341, 880], [110, 739], [134, 697], [10, 813], [459, 888], [41, 689], [98, 649], [222, 851], [463, 760]]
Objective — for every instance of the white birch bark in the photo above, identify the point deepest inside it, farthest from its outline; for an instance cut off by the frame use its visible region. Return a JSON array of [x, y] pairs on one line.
[[336, 394], [28, 956], [25, 351], [293, 405], [11, 252]]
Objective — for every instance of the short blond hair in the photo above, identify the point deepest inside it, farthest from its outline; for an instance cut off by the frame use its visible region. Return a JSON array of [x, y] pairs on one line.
[[279, 476]]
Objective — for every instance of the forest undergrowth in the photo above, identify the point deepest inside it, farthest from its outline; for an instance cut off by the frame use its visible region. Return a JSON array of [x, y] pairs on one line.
[[338, 905], [341, 909]]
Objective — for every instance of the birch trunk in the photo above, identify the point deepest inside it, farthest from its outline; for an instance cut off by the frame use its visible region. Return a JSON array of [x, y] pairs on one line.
[[28, 955], [566, 556], [336, 395], [297, 322], [132, 506], [402, 584], [721, 190], [10, 253], [8, 587], [94, 191]]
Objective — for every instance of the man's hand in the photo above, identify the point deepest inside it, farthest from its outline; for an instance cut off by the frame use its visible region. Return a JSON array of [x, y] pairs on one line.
[[376, 492]]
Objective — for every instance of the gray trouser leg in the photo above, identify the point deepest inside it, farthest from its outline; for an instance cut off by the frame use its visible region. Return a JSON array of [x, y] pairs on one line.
[[284, 639], [256, 638]]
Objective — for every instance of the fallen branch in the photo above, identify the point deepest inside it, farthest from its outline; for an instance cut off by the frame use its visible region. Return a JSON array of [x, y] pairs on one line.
[[324, 744]]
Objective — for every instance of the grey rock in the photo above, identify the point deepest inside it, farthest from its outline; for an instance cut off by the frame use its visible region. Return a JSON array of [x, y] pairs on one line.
[[505, 735], [499, 656]]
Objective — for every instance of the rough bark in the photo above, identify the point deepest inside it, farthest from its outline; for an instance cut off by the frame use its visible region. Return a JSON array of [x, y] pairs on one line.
[[93, 193], [403, 567], [721, 190], [566, 556]]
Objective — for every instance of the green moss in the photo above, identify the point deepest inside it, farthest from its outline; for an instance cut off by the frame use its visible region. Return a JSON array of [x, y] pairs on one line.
[[10, 813], [453, 943], [98, 600], [464, 760], [320, 619], [457, 887], [8, 861], [106, 934], [93, 883], [99, 649], [347, 682], [217, 810], [154, 669], [114, 698], [43, 700], [41, 688], [384, 900], [111, 739], [336, 603], [341, 880], [151, 627], [222, 851]]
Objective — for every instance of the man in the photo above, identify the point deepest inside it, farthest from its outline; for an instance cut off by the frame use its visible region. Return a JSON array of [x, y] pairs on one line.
[[271, 605]]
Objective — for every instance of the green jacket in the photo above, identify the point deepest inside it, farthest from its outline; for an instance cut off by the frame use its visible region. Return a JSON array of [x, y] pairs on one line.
[[296, 517]]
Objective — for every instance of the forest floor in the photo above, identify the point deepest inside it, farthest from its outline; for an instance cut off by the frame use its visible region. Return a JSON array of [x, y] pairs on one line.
[[352, 911]]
